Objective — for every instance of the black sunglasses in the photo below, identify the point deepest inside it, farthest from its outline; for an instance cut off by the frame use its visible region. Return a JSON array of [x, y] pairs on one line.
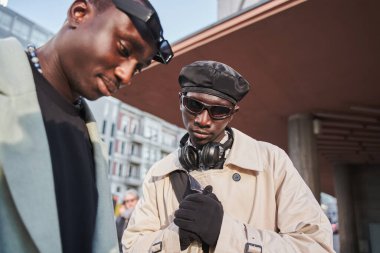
[[215, 111], [149, 17]]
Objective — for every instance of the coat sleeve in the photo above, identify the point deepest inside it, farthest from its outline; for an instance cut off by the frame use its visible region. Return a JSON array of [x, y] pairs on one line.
[[145, 233], [302, 226]]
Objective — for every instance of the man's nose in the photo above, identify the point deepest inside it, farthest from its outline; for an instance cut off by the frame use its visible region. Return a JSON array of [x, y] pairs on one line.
[[125, 71], [203, 119]]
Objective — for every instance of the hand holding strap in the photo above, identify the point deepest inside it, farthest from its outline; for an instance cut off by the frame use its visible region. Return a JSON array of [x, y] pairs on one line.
[[202, 214]]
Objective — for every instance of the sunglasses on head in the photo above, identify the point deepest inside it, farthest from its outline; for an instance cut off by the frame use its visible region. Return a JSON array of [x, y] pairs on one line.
[[149, 17], [215, 111]]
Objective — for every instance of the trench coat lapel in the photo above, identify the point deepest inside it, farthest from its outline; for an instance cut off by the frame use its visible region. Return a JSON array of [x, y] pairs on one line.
[[24, 150]]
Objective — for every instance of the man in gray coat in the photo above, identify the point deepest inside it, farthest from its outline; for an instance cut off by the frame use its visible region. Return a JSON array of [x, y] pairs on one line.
[[54, 194]]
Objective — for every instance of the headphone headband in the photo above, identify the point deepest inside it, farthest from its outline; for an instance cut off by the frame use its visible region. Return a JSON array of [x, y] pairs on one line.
[[211, 156]]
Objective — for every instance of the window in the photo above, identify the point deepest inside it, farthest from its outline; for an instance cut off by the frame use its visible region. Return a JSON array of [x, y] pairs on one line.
[[114, 168], [152, 156], [134, 171], [145, 153], [124, 124], [104, 127], [121, 172], [113, 130], [151, 133], [134, 126], [119, 146], [136, 149], [116, 146], [21, 29], [110, 148], [122, 148], [5, 21]]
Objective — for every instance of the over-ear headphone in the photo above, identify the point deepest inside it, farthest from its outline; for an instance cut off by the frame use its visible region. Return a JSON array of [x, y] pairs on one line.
[[211, 156]]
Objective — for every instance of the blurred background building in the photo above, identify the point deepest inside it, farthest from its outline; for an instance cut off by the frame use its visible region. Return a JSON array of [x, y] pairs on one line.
[[26, 31], [134, 140]]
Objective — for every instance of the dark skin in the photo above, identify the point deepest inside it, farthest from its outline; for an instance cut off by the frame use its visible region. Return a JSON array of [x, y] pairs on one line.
[[95, 53], [201, 127]]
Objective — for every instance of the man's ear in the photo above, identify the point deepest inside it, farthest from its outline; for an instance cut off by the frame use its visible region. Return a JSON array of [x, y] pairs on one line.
[[77, 12], [236, 109]]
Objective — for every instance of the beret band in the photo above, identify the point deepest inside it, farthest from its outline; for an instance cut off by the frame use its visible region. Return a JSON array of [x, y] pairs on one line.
[[210, 92]]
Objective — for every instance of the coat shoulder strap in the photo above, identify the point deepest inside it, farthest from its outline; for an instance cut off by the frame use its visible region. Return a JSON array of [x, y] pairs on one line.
[[180, 184]]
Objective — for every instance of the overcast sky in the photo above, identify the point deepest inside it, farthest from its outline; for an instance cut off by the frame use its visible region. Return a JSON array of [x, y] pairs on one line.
[[178, 17]]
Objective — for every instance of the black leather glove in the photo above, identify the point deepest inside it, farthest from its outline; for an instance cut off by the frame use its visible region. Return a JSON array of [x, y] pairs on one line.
[[202, 214], [186, 238]]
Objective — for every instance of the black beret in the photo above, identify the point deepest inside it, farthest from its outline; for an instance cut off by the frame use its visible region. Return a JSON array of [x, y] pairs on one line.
[[214, 78]]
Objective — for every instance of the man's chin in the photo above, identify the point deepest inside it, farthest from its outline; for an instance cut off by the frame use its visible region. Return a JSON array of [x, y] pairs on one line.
[[92, 96], [199, 143]]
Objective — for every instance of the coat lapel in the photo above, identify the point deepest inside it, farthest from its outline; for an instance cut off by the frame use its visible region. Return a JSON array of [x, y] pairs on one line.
[[105, 238], [24, 150]]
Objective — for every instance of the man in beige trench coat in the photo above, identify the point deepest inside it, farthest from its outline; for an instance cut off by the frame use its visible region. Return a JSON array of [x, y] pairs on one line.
[[223, 191]]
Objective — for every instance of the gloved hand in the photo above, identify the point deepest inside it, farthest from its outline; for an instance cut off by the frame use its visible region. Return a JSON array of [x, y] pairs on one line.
[[202, 214], [186, 238]]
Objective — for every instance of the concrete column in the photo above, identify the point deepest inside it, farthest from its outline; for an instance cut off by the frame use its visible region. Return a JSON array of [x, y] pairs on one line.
[[303, 150], [346, 213]]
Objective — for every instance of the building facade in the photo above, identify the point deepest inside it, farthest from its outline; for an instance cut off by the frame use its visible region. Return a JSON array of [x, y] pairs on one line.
[[13, 24], [135, 140]]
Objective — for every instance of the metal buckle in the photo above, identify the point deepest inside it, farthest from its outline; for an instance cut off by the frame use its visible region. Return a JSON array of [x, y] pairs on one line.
[[157, 247], [253, 248]]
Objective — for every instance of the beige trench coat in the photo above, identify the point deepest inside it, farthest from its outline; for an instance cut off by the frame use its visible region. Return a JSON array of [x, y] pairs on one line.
[[270, 209]]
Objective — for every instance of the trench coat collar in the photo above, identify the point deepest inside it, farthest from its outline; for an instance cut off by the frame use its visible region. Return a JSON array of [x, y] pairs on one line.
[[243, 154]]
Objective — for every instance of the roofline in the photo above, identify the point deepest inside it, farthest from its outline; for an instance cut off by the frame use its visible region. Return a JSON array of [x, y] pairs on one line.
[[228, 25], [231, 24]]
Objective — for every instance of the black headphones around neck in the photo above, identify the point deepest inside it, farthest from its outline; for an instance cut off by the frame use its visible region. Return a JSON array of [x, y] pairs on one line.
[[211, 156]]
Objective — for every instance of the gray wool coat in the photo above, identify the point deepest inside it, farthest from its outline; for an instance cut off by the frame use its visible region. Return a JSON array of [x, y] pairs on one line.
[[28, 211]]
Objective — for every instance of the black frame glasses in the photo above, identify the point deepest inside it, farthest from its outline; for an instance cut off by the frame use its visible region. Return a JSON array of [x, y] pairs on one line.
[[216, 112], [149, 17]]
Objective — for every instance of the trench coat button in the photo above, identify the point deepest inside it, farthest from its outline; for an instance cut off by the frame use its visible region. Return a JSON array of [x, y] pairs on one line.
[[236, 177]]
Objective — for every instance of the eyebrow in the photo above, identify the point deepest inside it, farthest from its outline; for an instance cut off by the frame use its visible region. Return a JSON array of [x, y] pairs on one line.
[[136, 47]]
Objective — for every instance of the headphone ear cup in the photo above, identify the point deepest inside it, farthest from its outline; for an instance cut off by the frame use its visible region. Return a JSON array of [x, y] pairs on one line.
[[188, 157], [209, 156]]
